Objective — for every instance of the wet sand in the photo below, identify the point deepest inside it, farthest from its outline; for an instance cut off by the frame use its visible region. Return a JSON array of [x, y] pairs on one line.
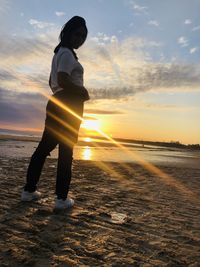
[[126, 217]]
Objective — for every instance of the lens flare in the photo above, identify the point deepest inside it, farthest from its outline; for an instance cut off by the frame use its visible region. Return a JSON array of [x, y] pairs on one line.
[[164, 177]]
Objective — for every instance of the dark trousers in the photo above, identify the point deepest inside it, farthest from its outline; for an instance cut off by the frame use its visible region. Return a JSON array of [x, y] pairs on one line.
[[61, 128], [46, 145]]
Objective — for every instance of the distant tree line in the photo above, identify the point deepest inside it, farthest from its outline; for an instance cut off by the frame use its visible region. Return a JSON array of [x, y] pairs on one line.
[[195, 146], [175, 144]]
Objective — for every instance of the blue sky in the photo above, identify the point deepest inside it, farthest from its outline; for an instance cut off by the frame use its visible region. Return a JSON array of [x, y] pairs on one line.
[[173, 24], [141, 62]]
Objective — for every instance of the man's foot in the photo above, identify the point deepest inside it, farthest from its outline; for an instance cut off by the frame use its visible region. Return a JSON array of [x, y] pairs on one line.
[[27, 196], [64, 204]]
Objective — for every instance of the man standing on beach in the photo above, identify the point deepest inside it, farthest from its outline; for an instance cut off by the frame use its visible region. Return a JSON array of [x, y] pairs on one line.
[[64, 113]]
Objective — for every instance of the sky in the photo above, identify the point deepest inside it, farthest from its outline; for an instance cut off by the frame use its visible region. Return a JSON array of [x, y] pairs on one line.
[[141, 65]]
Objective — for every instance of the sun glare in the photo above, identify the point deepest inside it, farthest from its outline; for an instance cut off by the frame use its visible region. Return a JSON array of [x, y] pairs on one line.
[[91, 125], [87, 139]]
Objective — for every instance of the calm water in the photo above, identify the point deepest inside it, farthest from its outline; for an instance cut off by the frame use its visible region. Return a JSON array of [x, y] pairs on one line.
[[153, 154]]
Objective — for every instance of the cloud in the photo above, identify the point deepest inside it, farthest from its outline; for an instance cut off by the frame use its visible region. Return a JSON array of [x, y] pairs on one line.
[[26, 48], [110, 93], [175, 107], [116, 70], [188, 21], [183, 41], [122, 69], [113, 70], [103, 39], [6, 75], [157, 77], [89, 118], [153, 23], [27, 65], [12, 97], [138, 8], [24, 108], [103, 112], [194, 50], [171, 75], [196, 28], [40, 24], [60, 13]]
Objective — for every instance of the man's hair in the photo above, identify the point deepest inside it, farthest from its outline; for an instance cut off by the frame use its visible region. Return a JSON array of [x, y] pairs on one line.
[[64, 37]]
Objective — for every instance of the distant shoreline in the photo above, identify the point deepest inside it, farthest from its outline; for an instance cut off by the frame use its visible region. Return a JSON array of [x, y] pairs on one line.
[[104, 142], [100, 150], [4, 137]]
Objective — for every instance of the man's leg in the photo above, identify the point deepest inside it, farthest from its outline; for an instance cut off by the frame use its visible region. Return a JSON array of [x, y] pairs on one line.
[[46, 145], [64, 171]]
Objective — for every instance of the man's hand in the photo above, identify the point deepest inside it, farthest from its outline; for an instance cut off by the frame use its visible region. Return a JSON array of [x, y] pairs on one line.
[[85, 94], [65, 82]]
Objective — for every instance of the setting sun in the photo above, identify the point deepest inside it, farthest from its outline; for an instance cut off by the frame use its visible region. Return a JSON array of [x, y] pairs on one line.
[[93, 125], [87, 139]]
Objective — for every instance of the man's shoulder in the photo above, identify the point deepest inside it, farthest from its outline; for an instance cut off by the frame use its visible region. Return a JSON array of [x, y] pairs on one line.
[[66, 54], [65, 50]]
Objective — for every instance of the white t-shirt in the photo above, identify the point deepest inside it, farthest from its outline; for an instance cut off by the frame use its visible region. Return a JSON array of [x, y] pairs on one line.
[[64, 61]]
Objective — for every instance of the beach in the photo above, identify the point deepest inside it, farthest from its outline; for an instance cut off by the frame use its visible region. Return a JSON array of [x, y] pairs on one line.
[[125, 214]]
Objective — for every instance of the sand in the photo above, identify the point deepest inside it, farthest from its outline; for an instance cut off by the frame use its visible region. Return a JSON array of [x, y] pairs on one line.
[[126, 217]]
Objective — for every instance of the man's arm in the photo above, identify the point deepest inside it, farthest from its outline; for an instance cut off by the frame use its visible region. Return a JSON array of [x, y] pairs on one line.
[[50, 80], [64, 81]]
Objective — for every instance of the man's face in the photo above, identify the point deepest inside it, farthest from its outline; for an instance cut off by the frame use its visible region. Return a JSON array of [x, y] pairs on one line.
[[78, 37]]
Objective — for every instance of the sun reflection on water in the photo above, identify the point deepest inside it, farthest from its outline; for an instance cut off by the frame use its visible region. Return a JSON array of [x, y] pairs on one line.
[[86, 153]]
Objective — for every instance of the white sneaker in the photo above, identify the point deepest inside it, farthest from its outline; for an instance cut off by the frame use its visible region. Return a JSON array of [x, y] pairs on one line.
[[26, 196], [64, 204]]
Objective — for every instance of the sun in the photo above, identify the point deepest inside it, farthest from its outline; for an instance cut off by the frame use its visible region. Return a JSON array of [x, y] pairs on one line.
[[87, 139], [91, 125]]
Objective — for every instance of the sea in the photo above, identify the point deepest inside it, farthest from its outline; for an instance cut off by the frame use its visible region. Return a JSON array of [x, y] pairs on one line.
[[101, 150]]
